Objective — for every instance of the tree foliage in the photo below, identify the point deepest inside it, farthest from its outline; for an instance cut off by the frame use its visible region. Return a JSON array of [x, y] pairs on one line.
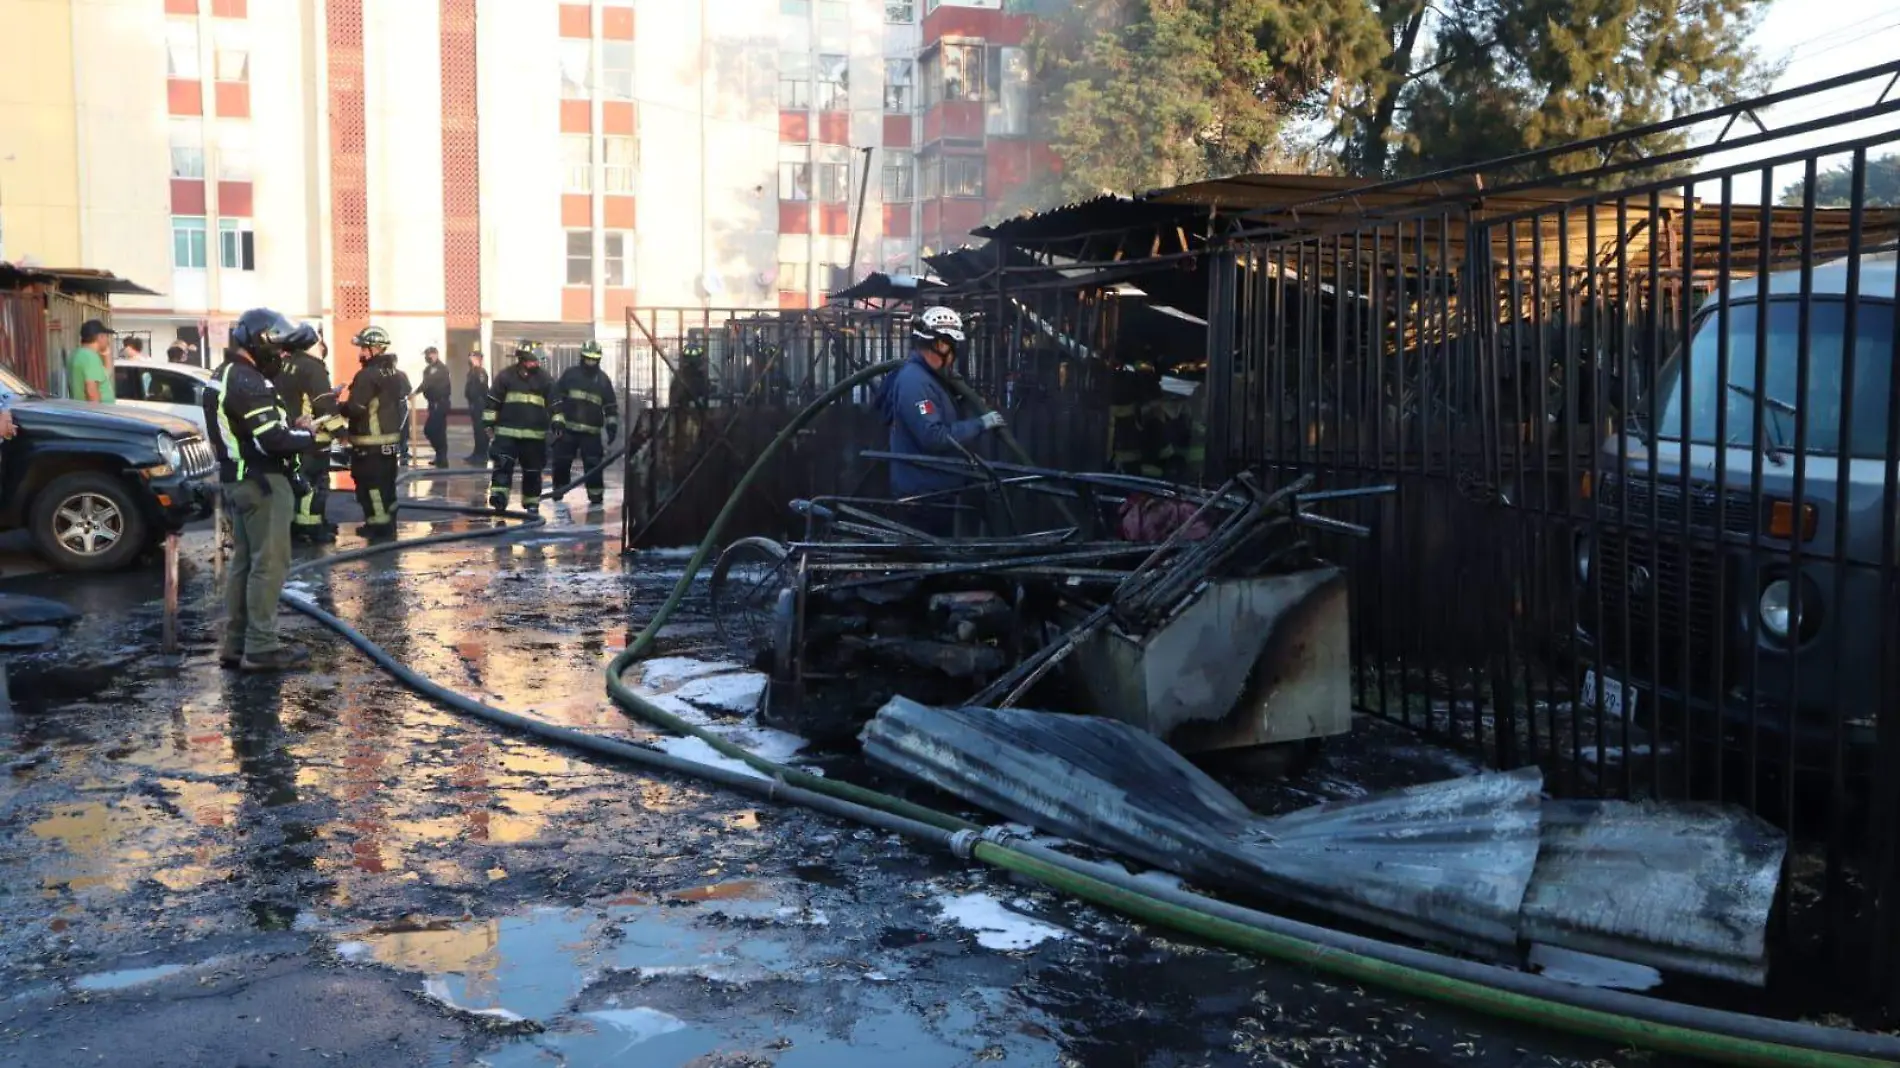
[[1136, 94], [1834, 187]]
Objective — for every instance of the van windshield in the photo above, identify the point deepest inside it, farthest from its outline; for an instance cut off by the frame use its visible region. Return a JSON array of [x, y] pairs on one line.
[[1823, 401]]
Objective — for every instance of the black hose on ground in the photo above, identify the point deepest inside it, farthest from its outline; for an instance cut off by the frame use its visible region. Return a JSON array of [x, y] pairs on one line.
[[1603, 1014]]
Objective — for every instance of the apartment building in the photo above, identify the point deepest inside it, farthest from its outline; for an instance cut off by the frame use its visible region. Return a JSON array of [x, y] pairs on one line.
[[467, 171]]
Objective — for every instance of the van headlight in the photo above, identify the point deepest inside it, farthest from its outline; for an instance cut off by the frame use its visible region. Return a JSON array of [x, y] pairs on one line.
[[1777, 609], [169, 451]]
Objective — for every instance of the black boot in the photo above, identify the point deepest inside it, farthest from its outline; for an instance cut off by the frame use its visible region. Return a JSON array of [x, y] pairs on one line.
[[288, 658]]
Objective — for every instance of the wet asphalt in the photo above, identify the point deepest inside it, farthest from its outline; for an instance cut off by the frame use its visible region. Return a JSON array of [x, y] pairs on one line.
[[202, 868]]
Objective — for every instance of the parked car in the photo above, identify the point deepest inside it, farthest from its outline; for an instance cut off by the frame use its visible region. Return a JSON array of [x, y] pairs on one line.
[[95, 484], [1700, 613], [174, 389]]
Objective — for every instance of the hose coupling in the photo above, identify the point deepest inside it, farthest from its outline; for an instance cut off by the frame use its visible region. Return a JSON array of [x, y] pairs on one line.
[[963, 844]]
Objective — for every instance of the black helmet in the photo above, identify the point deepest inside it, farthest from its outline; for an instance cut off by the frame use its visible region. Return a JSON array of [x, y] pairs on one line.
[[266, 335], [372, 337], [693, 347], [526, 350], [590, 351]]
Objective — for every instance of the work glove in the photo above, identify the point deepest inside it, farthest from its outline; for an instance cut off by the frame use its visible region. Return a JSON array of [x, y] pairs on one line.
[[992, 420], [613, 431]]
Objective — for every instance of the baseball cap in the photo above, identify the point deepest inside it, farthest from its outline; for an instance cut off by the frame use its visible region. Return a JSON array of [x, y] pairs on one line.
[[92, 328]]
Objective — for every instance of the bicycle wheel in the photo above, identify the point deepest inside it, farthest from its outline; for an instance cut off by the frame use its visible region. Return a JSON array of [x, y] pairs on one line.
[[746, 582]]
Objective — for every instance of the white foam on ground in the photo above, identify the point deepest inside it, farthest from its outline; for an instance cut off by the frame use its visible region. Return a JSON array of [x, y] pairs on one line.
[[995, 927], [699, 752], [667, 673], [355, 951], [739, 692], [1587, 969], [637, 1024]]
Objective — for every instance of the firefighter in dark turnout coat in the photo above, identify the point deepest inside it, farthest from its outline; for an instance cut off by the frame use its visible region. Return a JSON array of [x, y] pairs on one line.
[[304, 384], [585, 408], [377, 397], [257, 443], [519, 415]]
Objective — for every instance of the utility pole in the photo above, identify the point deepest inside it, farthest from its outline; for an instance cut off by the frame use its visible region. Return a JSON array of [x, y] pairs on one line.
[[857, 228]]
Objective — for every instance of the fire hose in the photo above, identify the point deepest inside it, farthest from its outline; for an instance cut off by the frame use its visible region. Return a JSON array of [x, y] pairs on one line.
[[1605, 1015]]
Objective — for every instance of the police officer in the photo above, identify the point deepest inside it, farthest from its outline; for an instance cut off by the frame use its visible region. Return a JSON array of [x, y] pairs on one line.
[[475, 395], [918, 404], [257, 443], [377, 399], [519, 418], [436, 389], [584, 407], [304, 383]]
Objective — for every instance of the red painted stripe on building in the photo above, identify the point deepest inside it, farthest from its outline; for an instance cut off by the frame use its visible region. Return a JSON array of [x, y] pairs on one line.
[[461, 170], [349, 181]]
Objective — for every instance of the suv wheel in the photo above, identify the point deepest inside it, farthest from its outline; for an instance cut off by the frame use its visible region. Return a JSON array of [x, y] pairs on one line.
[[87, 521]]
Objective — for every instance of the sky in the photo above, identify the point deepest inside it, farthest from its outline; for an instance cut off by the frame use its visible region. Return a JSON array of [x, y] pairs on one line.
[[1818, 39]]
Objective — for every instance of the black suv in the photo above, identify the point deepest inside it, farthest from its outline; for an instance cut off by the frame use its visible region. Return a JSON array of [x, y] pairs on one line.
[[97, 485]]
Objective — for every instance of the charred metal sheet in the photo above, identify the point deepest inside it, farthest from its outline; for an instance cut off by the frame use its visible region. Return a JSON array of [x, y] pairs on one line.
[[1480, 863], [1244, 662], [1446, 862], [1683, 888]]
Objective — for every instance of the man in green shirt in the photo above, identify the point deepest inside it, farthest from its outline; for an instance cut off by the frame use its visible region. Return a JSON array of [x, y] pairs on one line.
[[89, 371]]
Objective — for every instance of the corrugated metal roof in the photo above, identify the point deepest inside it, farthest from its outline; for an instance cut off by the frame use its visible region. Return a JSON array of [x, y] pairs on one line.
[[72, 280]]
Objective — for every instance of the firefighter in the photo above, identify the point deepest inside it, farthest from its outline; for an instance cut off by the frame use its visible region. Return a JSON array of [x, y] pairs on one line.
[[304, 383], [692, 387], [1130, 389], [475, 395], [584, 407], [922, 413], [257, 443], [375, 406], [436, 389], [518, 417]]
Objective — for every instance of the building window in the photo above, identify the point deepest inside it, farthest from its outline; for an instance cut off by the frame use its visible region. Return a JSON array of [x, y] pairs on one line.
[[577, 163], [236, 245], [580, 257], [834, 83], [900, 177], [1008, 92], [931, 177], [616, 70], [963, 176], [794, 172], [621, 156], [795, 7], [232, 52], [900, 86], [832, 10], [577, 68], [794, 276], [901, 11], [234, 160], [188, 150], [181, 49], [616, 261], [834, 178], [188, 242], [794, 81], [963, 66], [834, 277]]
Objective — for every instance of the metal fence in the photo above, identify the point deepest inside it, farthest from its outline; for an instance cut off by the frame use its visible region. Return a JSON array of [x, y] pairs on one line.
[[23, 337], [717, 385], [1646, 444]]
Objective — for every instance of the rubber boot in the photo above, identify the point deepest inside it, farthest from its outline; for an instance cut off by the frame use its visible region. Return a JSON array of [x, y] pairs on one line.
[[376, 530], [498, 501], [288, 658]]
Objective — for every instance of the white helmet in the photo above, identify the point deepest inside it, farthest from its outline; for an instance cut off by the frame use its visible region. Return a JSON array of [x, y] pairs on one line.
[[939, 323]]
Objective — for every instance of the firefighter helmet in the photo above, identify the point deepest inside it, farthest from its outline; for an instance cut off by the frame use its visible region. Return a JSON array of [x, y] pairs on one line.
[[371, 337], [526, 350], [590, 351], [939, 324]]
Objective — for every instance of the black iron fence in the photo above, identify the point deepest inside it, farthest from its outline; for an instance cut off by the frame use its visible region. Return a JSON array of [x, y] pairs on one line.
[[717, 385], [1646, 444]]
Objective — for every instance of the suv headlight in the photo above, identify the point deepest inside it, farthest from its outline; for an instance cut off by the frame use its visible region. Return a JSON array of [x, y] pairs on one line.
[[169, 451], [1777, 609]]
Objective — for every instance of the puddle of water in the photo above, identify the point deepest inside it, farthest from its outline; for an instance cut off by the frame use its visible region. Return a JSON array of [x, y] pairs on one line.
[[125, 979]]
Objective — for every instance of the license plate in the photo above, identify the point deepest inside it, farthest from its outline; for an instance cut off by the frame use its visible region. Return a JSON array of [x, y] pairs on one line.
[[1615, 698]]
